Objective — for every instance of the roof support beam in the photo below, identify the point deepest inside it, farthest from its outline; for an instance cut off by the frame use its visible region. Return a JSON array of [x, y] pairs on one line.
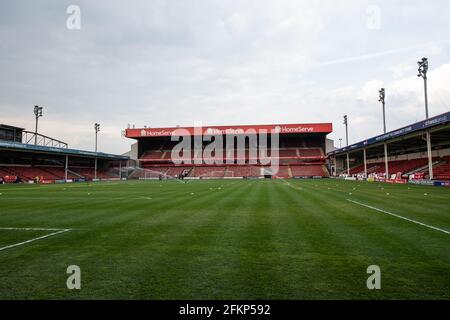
[[348, 164], [430, 155], [386, 162], [66, 167], [335, 166], [95, 169], [365, 163]]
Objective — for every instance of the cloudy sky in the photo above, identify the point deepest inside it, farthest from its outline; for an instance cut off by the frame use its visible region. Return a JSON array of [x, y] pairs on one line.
[[176, 62]]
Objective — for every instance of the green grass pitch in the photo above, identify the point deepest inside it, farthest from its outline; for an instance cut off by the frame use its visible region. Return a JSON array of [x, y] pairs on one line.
[[225, 239]]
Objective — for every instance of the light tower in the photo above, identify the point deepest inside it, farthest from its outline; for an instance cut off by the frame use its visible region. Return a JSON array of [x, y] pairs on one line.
[[423, 70], [346, 140], [97, 129], [346, 129], [381, 98], [38, 114]]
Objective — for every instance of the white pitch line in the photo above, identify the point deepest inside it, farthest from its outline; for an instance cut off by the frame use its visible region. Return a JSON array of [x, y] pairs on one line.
[[400, 217], [32, 229], [34, 239]]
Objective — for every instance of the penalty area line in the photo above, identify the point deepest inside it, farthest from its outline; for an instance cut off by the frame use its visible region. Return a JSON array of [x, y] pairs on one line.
[[400, 217], [57, 231]]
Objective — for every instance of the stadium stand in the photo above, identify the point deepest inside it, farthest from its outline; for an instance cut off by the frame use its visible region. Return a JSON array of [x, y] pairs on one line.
[[302, 145], [286, 156], [32, 173], [412, 151], [32, 157], [441, 167]]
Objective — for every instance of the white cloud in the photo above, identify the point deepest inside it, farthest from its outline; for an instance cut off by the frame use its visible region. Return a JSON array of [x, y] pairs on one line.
[[401, 69], [165, 63]]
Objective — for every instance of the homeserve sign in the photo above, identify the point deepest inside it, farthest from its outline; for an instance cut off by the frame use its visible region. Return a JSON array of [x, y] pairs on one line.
[[151, 133], [239, 140], [276, 129], [215, 131]]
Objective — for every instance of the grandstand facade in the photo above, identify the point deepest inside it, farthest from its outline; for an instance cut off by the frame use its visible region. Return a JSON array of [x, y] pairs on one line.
[[400, 155], [42, 162], [299, 151]]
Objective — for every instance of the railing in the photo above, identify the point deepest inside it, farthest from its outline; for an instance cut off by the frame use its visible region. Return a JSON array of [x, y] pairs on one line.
[[41, 140]]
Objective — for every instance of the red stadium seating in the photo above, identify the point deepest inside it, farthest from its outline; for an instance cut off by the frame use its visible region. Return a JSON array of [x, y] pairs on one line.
[[310, 153], [89, 173], [7, 176], [441, 171], [230, 171], [208, 172], [158, 156], [167, 155], [288, 153], [402, 166], [283, 172], [357, 170], [243, 171], [295, 153], [176, 171], [152, 155], [4, 172], [31, 173], [309, 171], [59, 172], [28, 173], [149, 173]]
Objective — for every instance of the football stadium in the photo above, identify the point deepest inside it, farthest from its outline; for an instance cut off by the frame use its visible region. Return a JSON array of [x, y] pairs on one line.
[[158, 228], [271, 171]]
